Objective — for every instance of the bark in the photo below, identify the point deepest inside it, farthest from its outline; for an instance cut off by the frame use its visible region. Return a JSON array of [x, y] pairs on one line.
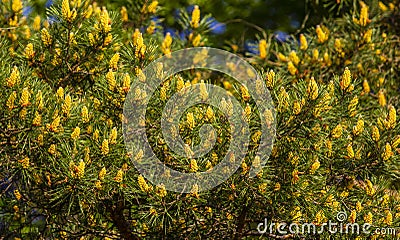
[[117, 216]]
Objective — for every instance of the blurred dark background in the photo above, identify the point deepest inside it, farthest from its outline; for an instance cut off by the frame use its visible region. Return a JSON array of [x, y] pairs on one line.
[[243, 17], [285, 15], [238, 21], [233, 17]]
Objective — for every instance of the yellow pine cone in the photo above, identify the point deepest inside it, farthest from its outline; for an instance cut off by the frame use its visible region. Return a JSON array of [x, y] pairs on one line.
[[17, 194], [350, 151], [195, 17], [368, 218], [312, 89], [196, 40], [126, 83], [382, 6], [203, 91], [66, 12], [113, 136], [291, 68], [111, 80], [303, 42], [105, 21], [114, 61], [102, 173], [315, 166], [16, 6], [39, 101], [294, 58], [52, 149], [190, 122], [45, 36], [11, 100], [396, 141], [390, 122], [247, 112], [320, 217], [283, 99], [119, 177], [124, 14], [193, 165], [14, 77], [296, 107], [381, 98], [345, 80], [388, 218], [24, 162], [366, 88], [321, 34], [364, 20], [24, 101], [143, 184], [80, 169], [152, 8], [375, 133], [369, 188], [66, 107], [29, 52], [75, 134], [195, 191], [104, 147], [337, 131], [359, 128], [388, 153], [295, 176], [166, 44], [161, 191], [262, 46], [353, 216], [60, 93], [352, 107], [85, 114], [209, 114]]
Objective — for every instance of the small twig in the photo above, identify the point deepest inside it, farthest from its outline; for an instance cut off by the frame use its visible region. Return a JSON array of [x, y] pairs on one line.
[[303, 24], [248, 24], [16, 131], [8, 28]]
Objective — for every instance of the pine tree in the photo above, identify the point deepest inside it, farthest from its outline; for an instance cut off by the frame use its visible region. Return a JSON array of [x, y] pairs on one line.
[[66, 173]]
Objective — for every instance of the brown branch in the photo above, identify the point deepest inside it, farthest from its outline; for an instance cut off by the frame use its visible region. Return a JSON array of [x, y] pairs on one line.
[[258, 28], [241, 223], [11, 132], [118, 219]]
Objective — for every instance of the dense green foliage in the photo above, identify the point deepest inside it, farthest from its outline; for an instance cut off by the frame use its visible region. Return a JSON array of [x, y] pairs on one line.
[[65, 172]]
